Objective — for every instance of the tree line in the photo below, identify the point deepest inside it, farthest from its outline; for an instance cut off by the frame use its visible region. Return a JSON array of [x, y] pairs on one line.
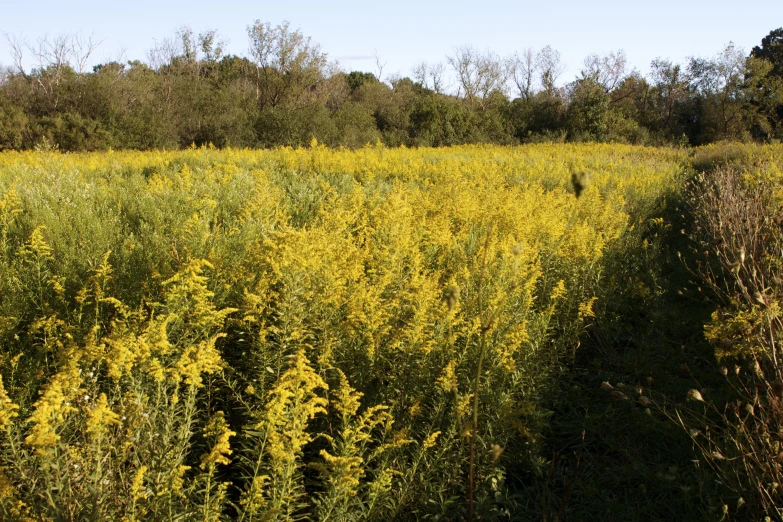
[[285, 91]]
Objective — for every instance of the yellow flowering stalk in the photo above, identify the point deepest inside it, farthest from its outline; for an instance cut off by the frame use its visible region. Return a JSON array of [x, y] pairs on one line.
[[10, 207], [350, 459], [100, 417], [8, 410], [431, 440], [448, 379], [196, 360], [52, 409], [137, 484], [217, 430], [292, 404]]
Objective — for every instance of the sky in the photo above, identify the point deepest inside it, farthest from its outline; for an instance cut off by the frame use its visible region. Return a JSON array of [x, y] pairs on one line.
[[404, 32]]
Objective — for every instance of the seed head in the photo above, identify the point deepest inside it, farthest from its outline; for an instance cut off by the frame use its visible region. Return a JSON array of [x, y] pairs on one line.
[[617, 394], [761, 299], [451, 296], [757, 369], [497, 451], [580, 180], [695, 395]]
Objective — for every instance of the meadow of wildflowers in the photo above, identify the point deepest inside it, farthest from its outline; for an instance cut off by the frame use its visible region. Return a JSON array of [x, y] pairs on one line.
[[301, 333]]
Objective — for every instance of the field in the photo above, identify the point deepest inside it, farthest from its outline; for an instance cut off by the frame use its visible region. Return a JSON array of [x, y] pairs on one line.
[[378, 334]]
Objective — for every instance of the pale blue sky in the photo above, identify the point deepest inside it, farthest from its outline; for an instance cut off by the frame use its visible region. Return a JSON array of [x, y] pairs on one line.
[[404, 32]]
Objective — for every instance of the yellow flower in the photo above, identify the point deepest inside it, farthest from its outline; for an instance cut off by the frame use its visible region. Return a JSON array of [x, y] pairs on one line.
[[176, 482], [7, 408], [346, 470], [293, 402], [448, 379], [415, 410], [100, 417], [253, 499], [217, 429], [36, 247], [137, 484], [586, 308], [431, 440], [558, 291], [347, 400], [54, 406], [197, 360]]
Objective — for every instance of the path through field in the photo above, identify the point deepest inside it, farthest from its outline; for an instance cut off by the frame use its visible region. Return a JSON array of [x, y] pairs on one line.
[[615, 459]]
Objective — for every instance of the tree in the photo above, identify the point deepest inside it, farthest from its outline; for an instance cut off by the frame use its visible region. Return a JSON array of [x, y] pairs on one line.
[[522, 70], [289, 65], [56, 58], [13, 125], [430, 76], [771, 49], [438, 121], [607, 70], [720, 81], [478, 73], [356, 79], [670, 91], [211, 46], [764, 94], [550, 66], [765, 83], [588, 110]]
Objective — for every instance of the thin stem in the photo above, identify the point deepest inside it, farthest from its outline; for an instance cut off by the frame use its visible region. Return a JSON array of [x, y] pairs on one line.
[[474, 424], [482, 347], [206, 495]]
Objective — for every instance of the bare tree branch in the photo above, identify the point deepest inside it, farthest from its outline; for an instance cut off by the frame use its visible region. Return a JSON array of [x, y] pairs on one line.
[[479, 73], [378, 65], [550, 67], [522, 70], [430, 76], [18, 45], [608, 70], [81, 50]]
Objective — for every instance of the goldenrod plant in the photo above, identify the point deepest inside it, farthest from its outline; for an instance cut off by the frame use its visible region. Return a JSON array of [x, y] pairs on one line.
[[298, 334]]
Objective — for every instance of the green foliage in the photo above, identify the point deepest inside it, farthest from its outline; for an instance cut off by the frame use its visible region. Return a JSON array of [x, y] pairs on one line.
[[356, 79], [13, 125], [285, 93], [771, 49], [588, 111]]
